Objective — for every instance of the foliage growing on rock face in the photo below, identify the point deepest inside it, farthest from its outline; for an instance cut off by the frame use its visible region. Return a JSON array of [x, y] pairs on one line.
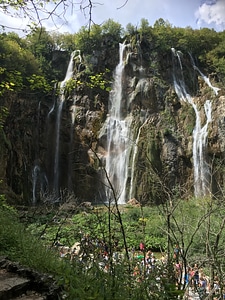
[[94, 81], [98, 81]]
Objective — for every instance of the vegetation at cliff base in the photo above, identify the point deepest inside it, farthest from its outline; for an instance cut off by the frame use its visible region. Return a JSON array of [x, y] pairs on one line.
[[197, 226]]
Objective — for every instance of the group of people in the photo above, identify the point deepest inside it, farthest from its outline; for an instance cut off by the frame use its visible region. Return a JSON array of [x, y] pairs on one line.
[[195, 278], [145, 262]]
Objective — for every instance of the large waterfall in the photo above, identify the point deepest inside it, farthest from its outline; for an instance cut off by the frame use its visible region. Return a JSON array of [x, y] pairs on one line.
[[202, 176], [119, 135]]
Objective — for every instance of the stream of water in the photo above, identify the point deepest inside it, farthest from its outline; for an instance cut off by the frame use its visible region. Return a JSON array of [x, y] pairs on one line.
[[119, 136], [202, 175]]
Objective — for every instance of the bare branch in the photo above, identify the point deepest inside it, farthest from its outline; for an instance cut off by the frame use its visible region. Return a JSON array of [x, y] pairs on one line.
[[122, 5], [37, 11]]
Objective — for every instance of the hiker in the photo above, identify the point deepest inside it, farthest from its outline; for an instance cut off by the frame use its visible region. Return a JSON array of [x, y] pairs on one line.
[[176, 253], [142, 247]]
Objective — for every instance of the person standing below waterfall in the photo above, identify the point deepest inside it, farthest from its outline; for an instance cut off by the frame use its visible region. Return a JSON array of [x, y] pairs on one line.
[[142, 247], [176, 253]]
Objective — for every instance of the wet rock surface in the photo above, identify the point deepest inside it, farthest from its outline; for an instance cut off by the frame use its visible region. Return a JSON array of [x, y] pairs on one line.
[[17, 282]]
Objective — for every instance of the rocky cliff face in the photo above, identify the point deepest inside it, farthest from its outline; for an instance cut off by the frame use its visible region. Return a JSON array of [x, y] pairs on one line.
[[161, 149]]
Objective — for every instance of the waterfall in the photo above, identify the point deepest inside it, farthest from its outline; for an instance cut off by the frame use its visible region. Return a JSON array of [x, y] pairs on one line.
[[60, 103], [35, 176], [73, 111], [36, 168], [39, 183], [201, 168], [205, 78], [71, 147], [119, 136]]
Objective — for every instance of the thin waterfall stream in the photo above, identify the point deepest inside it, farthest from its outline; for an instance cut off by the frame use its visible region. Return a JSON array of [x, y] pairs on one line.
[[61, 100]]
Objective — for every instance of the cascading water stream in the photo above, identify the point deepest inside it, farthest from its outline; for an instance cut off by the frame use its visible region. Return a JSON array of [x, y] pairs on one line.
[[201, 168], [61, 100], [71, 147], [35, 176], [36, 169], [73, 111], [119, 136], [206, 79]]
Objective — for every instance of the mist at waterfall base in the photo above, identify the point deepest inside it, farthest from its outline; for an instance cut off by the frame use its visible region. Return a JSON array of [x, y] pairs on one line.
[[202, 175]]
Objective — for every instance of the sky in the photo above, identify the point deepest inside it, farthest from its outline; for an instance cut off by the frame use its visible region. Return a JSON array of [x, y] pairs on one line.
[[180, 13]]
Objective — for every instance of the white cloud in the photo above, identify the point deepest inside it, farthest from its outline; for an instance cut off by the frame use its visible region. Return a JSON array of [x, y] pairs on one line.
[[212, 14]]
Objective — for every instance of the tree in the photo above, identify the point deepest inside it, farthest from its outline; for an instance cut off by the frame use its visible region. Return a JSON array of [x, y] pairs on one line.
[[112, 28], [17, 63], [144, 27], [42, 45], [130, 29], [64, 42]]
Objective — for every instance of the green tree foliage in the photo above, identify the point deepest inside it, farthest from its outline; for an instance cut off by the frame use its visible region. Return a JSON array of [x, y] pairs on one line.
[[86, 40], [42, 45], [39, 84], [130, 30], [144, 28], [64, 42], [165, 36], [17, 63], [216, 56], [113, 29], [95, 38]]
